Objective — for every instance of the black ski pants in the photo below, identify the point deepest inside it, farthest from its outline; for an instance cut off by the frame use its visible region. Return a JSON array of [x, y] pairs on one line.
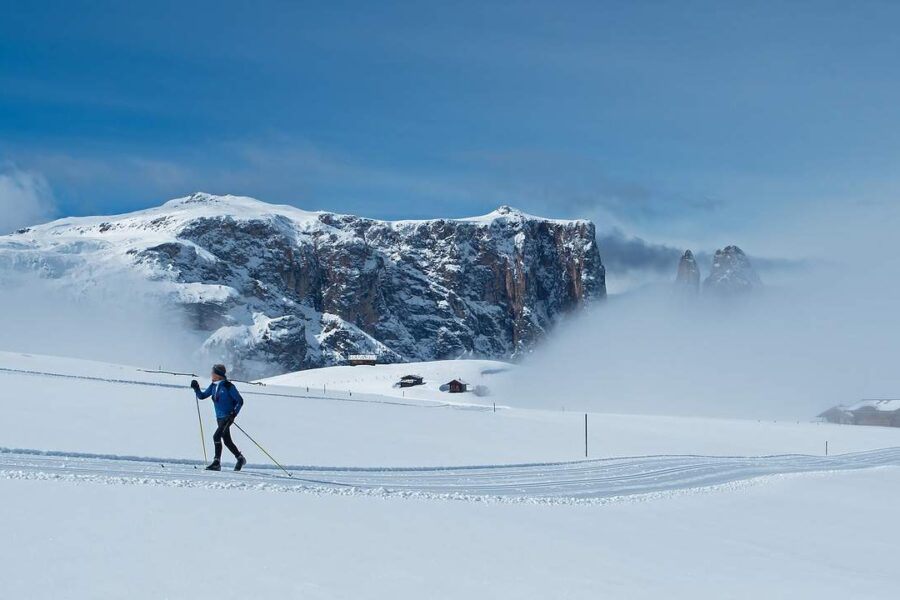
[[223, 434]]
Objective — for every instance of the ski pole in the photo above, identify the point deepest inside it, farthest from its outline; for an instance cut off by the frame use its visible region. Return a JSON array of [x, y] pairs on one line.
[[202, 436], [289, 474]]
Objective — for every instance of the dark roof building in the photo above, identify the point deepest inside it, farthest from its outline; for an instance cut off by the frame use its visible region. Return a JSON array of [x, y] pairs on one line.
[[362, 359], [411, 380], [884, 413], [457, 386]]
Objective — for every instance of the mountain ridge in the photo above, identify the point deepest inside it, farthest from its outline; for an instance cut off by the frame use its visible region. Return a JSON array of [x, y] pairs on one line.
[[276, 288]]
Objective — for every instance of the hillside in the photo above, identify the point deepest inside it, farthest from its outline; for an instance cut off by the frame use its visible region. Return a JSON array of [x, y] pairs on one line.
[[275, 288], [483, 377], [94, 407]]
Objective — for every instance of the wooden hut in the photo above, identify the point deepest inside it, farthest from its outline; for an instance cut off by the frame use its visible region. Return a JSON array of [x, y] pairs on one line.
[[457, 386], [362, 359], [411, 380]]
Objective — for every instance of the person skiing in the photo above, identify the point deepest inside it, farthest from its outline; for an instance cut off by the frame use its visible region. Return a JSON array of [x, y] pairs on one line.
[[228, 403]]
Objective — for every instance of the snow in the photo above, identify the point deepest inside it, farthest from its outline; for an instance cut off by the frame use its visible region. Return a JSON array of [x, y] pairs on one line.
[[411, 496], [383, 379], [879, 405], [358, 419], [514, 214], [174, 213], [777, 540]]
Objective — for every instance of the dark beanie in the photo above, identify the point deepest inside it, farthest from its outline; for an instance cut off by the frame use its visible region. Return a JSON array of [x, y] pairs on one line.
[[219, 370]]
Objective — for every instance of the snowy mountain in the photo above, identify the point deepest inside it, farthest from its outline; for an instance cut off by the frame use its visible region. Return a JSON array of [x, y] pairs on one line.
[[275, 288], [731, 274]]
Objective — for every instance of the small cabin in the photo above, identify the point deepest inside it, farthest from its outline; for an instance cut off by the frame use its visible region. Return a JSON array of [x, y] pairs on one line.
[[883, 413], [411, 380], [457, 387], [837, 414], [354, 360]]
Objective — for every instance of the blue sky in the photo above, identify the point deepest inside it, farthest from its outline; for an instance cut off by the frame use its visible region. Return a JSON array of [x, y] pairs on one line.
[[683, 122]]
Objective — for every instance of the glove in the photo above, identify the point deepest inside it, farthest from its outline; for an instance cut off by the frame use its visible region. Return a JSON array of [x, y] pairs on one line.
[[194, 384]]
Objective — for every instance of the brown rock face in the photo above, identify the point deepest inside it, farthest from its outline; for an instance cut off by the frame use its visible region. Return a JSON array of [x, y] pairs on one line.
[[687, 281]]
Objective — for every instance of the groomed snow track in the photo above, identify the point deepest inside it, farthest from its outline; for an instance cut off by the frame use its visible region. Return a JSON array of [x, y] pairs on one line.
[[569, 482]]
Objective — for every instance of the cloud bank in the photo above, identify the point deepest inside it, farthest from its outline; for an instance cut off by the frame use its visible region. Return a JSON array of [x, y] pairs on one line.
[[827, 336], [122, 322], [25, 199], [632, 261]]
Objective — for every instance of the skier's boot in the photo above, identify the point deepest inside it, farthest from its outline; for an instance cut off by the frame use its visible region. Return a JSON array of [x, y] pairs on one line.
[[215, 466], [241, 461]]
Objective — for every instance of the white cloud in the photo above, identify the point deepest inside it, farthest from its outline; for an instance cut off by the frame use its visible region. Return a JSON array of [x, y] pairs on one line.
[[25, 199]]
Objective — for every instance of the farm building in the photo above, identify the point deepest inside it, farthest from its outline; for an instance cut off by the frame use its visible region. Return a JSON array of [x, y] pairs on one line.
[[362, 359], [884, 413], [838, 414], [456, 386], [411, 380]]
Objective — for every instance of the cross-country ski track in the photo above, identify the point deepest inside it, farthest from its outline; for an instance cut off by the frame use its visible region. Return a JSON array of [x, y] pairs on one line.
[[566, 482]]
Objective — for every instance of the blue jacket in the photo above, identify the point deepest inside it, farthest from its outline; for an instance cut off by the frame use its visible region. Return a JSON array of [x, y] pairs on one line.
[[226, 398]]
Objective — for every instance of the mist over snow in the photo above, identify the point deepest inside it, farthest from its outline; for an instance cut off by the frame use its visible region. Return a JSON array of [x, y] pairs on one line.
[[825, 335], [121, 323]]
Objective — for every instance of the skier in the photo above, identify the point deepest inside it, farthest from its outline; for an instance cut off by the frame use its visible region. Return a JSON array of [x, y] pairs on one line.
[[228, 403]]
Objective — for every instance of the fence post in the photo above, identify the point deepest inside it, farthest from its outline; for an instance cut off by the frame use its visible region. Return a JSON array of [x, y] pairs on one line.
[[826, 447], [585, 436]]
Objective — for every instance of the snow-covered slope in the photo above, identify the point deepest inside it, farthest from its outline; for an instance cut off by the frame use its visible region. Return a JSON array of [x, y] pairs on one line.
[[483, 378], [823, 537], [432, 499], [276, 288], [69, 405]]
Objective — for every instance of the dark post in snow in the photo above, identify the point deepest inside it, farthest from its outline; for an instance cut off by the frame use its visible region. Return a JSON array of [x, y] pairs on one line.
[[495, 407], [585, 436], [826, 447]]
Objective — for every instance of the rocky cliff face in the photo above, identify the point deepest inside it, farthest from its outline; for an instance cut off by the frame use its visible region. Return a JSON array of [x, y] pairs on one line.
[[731, 274], [277, 288], [687, 280]]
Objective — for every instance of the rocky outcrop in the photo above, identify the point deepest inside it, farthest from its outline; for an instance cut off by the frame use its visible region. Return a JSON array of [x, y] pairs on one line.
[[275, 288], [731, 274], [687, 280]]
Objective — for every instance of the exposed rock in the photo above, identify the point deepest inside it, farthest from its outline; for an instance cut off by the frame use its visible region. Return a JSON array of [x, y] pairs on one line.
[[687, 281], [276, 288], [731, 274]]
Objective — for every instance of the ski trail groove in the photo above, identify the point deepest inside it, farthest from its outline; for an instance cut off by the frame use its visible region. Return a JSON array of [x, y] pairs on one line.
[[589, 480]]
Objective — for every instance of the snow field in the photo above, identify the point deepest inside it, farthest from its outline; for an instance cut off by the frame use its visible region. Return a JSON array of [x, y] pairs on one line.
[[791, 538]]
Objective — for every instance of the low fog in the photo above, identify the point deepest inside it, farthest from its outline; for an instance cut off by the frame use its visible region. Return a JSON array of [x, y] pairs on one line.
[[121, 323], [828, 335], [825, 334]]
